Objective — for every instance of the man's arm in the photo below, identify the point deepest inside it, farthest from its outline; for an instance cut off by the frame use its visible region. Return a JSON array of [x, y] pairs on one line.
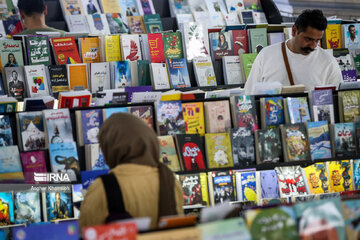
[[255, 75]]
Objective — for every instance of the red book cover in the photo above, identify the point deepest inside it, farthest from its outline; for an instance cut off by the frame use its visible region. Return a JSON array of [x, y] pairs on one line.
[[74, 101], [65, 50], [33, 162], [240, 41], [120, 231], [156, 48]]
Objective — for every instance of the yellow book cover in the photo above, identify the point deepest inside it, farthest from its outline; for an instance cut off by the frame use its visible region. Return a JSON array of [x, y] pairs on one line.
[[77, 75], [350, 105], [317, 178], [112, 48], [340, 176], [204, 188], [218, 150], [194, 118], [333, 36], [111, 6], [171, 97], [90, 50]]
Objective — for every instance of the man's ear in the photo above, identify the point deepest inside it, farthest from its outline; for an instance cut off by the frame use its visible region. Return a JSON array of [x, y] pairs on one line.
[[45, 11], [22, 15], [294, 30]]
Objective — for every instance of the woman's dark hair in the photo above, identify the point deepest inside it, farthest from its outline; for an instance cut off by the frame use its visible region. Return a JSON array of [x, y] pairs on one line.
[[222, 34], [31, 6], [313, 18], [11, 54]]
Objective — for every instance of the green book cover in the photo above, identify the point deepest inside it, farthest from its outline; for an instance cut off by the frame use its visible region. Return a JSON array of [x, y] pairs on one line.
[[144, 73], [173, 45], [11, 53], [218, 150], [248, 60], [258, 39], [38, 50], [153, 23], [230, 229]]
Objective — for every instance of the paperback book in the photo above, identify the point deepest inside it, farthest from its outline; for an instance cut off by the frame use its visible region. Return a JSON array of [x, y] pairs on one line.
[[170, 118], [6, 137], [178, 73], [11, 53], [57, 205], [15, 82], [291, 180], [31, 128], [343, 139], [319, 139], [244, 111], [191, 151], [242, 144], [296, 144], [222, 186], [33, 162], [268, 146], [173, 45], [10, 165], [218, 150], [37, 83], [322, 106], [58, 79], [38, 50], [193, 114], [195, 190], [7, 206], [27, 208], [58, 126], [318, 178], [168, 155]]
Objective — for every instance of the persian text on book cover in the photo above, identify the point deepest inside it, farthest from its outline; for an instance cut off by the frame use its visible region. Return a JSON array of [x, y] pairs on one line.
[[246, 112], [319, 138], [38, 50], [168, 154], [323, 105], [218, 113], [66, 50], [291, 181], [350, 104], [58, 126], [218, 147], [223, 186], [91, 121], [156, 48], [112, 48], [340, 175], [333, 36], [32, 130], [191, 149], [269, 145], [172, 45], [296, 142], [194, 118], [37, 80], [170, 118], [274, 112], [90, 50], [344, 139], [248, 186], [195, 189], [318, 178], [11, 53], [33, 162]]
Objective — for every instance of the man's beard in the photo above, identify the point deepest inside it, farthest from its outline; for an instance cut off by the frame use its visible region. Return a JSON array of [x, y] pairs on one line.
[[307, 50]]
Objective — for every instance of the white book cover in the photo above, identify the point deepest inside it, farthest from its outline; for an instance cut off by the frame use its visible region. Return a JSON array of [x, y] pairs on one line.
[[196, 40], [234, 5], [179, 7], [98, 24], [100, 76], [58, 125], [145, 49], [201, 17], [232, 68], [71, 7], [204, 71], [217, 20], [198, 6], [91, 7], [131, 49], [36, 80], [259, 17], [183, 18], [2, 31], [77, 23], [145, 7], [232, 19], [160, 76], [215, 6], [134, 74]]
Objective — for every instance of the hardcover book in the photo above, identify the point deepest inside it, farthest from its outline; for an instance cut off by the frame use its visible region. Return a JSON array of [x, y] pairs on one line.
[[91, 121], [65, 50], [272, 112], [173, 45], [319, 139], [168, 154], [38, 50], [322, 106], [296, 145], [58, 205], [136, 24], [153, 23], [7, 206], [242, 144], [217, 116], [36, 81], [58, 79], [117, 23], [195, 39], [10, 165], [33, 162], [15, 82], [220, 44], [27, 208], [297, 109], [291, 181], [170, 118], [6, 138], [318, 178], [244, 111], [89, 49], [178, 73], [222, 186], [247, 186], [340, 175], [344, 140], [195, 190], [349, 106], [31, 128], [58, 126], [193, 114], [131, 47], [11, 54], [191, 151], [268, 146], [218, 150], [240, 41]]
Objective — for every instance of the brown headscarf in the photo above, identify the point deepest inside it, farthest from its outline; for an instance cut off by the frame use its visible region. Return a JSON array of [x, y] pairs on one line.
[[125, 138]]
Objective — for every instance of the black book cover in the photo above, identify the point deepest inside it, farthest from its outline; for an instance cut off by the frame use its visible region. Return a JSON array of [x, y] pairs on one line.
[[58, 79], [223, 186], [242, 144], [191, 150]]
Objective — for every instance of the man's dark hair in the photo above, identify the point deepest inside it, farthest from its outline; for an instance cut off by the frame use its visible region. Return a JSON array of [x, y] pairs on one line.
[[351, 27], [31, 6], [313, 18]]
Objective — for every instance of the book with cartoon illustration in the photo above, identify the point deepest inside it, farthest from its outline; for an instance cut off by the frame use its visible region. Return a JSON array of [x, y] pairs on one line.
[[170, 118], [194, 118], [292, 181], [218, 150], [295, 140], [31, 130], [318, 178], [247, 185], [27, 207], [173, 45], [340, 175], [296, 110], [272, 112], [244, 111], [168, 155], [7, 206], [195, 190], [268, 184], [191, 151]]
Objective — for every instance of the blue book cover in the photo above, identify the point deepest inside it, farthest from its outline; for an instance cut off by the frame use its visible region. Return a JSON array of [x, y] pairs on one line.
[[274, 111], [64, 158], [58, 125], [351, 35], [298, 109], [110, 111], [27, 207], [224, 186], [88, 177], [59, 205], [68, 230], [178, 72], [322, 105], [91, 121], [269, 184], [10, 165], [344, 139], [6, 138], [77, 197], [170, 118], [122, 76], [248, 186], [356, 167], [319, 138], [31, 127], [7, 209]]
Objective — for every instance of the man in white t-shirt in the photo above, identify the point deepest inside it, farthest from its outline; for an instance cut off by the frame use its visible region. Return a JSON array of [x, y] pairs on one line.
[[310, 65]]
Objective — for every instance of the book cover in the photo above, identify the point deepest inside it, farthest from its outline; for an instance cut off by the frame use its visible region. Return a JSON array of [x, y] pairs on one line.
[[64, 159], [204, 72], [78, 75], [6, 138], [122, 74], [269, 184], [224, 187], [273, 112], [88, 177], [340, 175], [136, 24], [145, 7], [193, 114], [319, 139], [91, 121], [7, 206], [346, 64], [323, 107], [170, 118], [178, 73], [230, 229], [269, 147], [27, 208], [38, 50], [10, 165], [351, 35], [58, 126], [356, 173], [58, 79], [145, 113], [131, 47], [232, 70], [242, 144], [318, 178], [72, 7], [156, 47], [248, 186], [65, 50], [59, 205], [173, 45], [350, 105], [344, 139], [90, 49], [191, 150], [33, 162], [333, 36], [11, 54], [217, 116], [77, 198], [143, 72], [77, 23], [168, 154], [296, 145], [291, 181], [110, 6], [218, 150], [112, 48], [12, 25], [94, 158], [247, 62], [195, 39], [109, 111], [15, 82], [244, 111], [195, 190], [254, 5], [90, 7], [98, 24], [117, 23], [31, 127], [100, 76], [220, 44], [74, 99], [153, 23], [36, 80], [124, 230], [258, 39], [298, 109]]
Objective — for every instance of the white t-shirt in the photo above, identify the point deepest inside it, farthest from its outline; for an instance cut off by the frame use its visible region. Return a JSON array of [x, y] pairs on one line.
[[315, 69]]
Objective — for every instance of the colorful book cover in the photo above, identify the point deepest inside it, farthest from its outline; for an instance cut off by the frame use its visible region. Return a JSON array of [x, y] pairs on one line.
[[78, 75], [318, 178], [243, 148], [280, 223], [298, 109], [143, 73], [90, 50], [58, 79], [240, 41], [33, 162], [178, 73], [136, 24], [254, 5], [218, 150], [10, 106], [195, 40], [322, 104], [15, 82], [191, 150], [72, 7], [333, 36], [351, 216], [156, 47], [245, 111], [168, 154], [195, 190], [90, 7], [269, 145], [112, 48], [351, 35], [7, 209], [230, 229], [96, 160], [58, 126], [77, 197], [145, 113], [10, 170], [27, 208], [173, 45], [59, 205], [122, 74], [64, 159], [146, 6], [68, 230], [319, 139], [98, 24], [91, 121], [224, 187], [258, 39], [340, 175], [220, 44], [346, 64], [124, 230], [296, 142], [274, 111], [31, 129], [248, 186], [36, 80], [344, 141], [193, 114], [356, 173], [110, 111], [153, 23], [269, 184], [38, 50], [6, 138], [248, 60], [117, 23], [11, 54], [350, 105], [217, 116], [170, 118], [12, 25], [131, 47], [65, 50], [291, 181]]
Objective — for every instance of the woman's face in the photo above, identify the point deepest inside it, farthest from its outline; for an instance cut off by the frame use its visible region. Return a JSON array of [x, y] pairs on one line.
[[222, 38], [11, 58]]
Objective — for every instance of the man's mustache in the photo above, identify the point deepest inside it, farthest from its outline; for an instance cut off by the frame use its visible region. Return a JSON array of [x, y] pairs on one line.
[[307, 49]]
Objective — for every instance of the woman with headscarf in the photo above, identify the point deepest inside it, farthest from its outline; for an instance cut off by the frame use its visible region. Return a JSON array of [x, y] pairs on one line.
[[149, 188]]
